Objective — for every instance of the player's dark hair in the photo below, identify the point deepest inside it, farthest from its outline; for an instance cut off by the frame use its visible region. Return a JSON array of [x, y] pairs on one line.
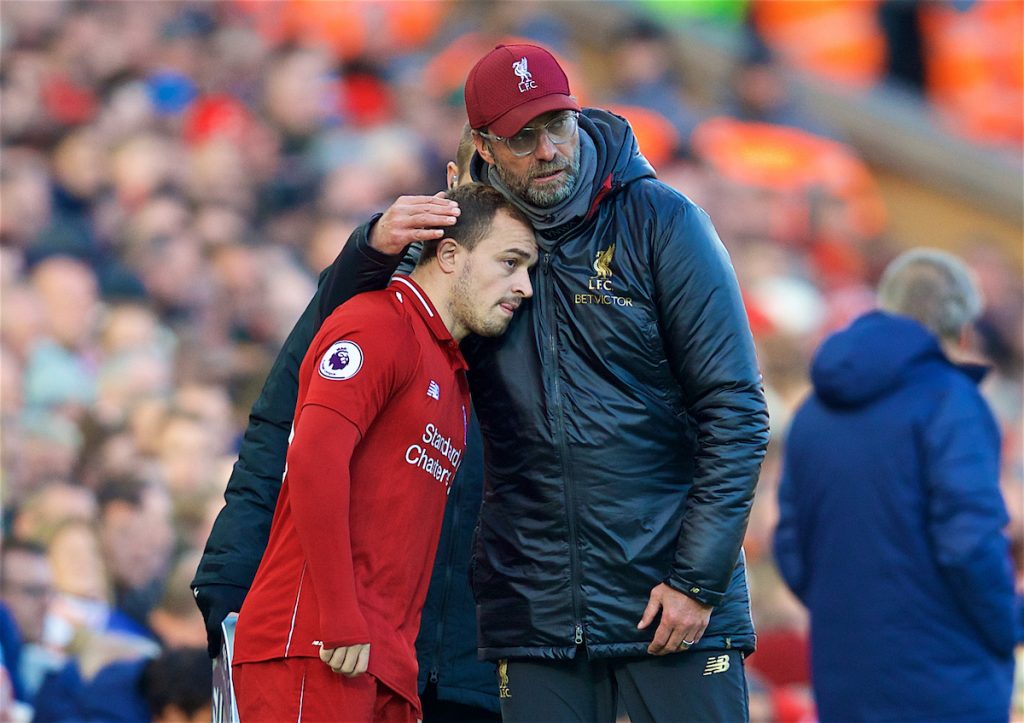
[[478, 204]]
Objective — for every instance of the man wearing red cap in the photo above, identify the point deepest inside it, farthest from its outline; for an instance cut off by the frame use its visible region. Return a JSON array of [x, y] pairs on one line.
[[624, 423]]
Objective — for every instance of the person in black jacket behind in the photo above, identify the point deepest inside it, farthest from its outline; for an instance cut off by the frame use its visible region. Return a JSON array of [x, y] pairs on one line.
[[623, 419], [453, 684]]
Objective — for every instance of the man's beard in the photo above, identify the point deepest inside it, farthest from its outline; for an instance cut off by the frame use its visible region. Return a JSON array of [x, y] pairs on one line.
[[550, 194]]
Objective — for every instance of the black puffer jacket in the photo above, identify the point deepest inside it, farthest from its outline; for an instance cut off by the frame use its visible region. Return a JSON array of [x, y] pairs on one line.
[[624, 426]]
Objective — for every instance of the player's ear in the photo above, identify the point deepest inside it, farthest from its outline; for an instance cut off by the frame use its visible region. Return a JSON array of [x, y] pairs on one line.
[[447, 255], [453, 175]]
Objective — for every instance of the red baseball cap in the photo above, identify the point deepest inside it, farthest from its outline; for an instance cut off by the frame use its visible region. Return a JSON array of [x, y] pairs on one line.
[[513, 84]]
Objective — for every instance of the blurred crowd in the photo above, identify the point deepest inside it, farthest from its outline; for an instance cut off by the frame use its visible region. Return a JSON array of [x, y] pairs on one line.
[[174, 175]]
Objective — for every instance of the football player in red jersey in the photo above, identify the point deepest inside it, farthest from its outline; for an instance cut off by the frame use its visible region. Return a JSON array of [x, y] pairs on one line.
[[380, 429]]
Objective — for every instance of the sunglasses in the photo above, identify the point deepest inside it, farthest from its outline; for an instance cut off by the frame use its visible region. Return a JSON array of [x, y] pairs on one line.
[[559, 129]]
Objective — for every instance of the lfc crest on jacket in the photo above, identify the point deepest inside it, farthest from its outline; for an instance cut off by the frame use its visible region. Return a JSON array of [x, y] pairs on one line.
[[599, 286]]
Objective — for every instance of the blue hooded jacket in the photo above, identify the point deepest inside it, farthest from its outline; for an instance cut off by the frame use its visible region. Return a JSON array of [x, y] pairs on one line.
[[890, 531]]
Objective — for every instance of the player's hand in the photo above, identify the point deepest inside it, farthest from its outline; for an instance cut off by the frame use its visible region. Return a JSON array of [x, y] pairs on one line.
[[683, 620], [350, 660], [412, 218]]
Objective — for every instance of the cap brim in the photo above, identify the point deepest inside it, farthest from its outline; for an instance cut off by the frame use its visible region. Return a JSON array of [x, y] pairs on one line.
[[513, 121]]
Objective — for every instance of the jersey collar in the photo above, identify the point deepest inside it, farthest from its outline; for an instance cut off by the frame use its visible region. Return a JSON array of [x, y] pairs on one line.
[[405, 288]]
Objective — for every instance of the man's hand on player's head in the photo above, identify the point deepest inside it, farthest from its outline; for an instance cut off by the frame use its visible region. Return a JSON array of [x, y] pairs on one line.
[[410, 219]]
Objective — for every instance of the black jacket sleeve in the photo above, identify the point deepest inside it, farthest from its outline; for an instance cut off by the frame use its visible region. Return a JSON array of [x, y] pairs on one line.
[[239, 536], [709, 344]]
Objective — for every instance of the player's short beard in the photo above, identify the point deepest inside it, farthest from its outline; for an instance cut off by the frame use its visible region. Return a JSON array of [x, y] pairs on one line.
[[465, 307], [549, 195]]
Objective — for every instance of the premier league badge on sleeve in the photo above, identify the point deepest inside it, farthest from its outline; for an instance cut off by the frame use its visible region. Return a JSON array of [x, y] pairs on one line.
[[341, 361]]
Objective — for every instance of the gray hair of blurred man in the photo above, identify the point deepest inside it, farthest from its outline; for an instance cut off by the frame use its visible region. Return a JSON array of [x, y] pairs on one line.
[[934, 288]]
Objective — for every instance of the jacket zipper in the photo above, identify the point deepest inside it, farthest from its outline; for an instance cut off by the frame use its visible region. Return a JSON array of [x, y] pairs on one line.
[[568, 485]]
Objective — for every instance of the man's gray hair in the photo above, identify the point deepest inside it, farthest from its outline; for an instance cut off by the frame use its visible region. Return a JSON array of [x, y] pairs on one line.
[[933, 287]]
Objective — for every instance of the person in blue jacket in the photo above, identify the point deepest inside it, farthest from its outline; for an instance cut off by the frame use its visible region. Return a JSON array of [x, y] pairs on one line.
[[891, 518]]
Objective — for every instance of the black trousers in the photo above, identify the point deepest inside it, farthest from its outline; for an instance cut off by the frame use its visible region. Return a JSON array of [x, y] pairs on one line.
[[699, 686]]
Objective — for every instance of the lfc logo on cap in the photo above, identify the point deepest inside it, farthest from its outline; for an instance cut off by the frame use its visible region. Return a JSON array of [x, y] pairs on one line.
[[525, 77]]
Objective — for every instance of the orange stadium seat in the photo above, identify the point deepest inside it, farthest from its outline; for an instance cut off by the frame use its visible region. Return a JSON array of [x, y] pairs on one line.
[[789, 161], [656, 135], [838, 40], [974, 68], [347, 27]]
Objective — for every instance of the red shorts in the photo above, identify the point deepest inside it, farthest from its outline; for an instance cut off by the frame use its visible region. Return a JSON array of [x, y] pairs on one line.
[[306, 689]]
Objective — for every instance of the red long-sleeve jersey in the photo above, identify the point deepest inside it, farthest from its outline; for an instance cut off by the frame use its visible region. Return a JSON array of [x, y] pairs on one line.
[[380, 430]]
